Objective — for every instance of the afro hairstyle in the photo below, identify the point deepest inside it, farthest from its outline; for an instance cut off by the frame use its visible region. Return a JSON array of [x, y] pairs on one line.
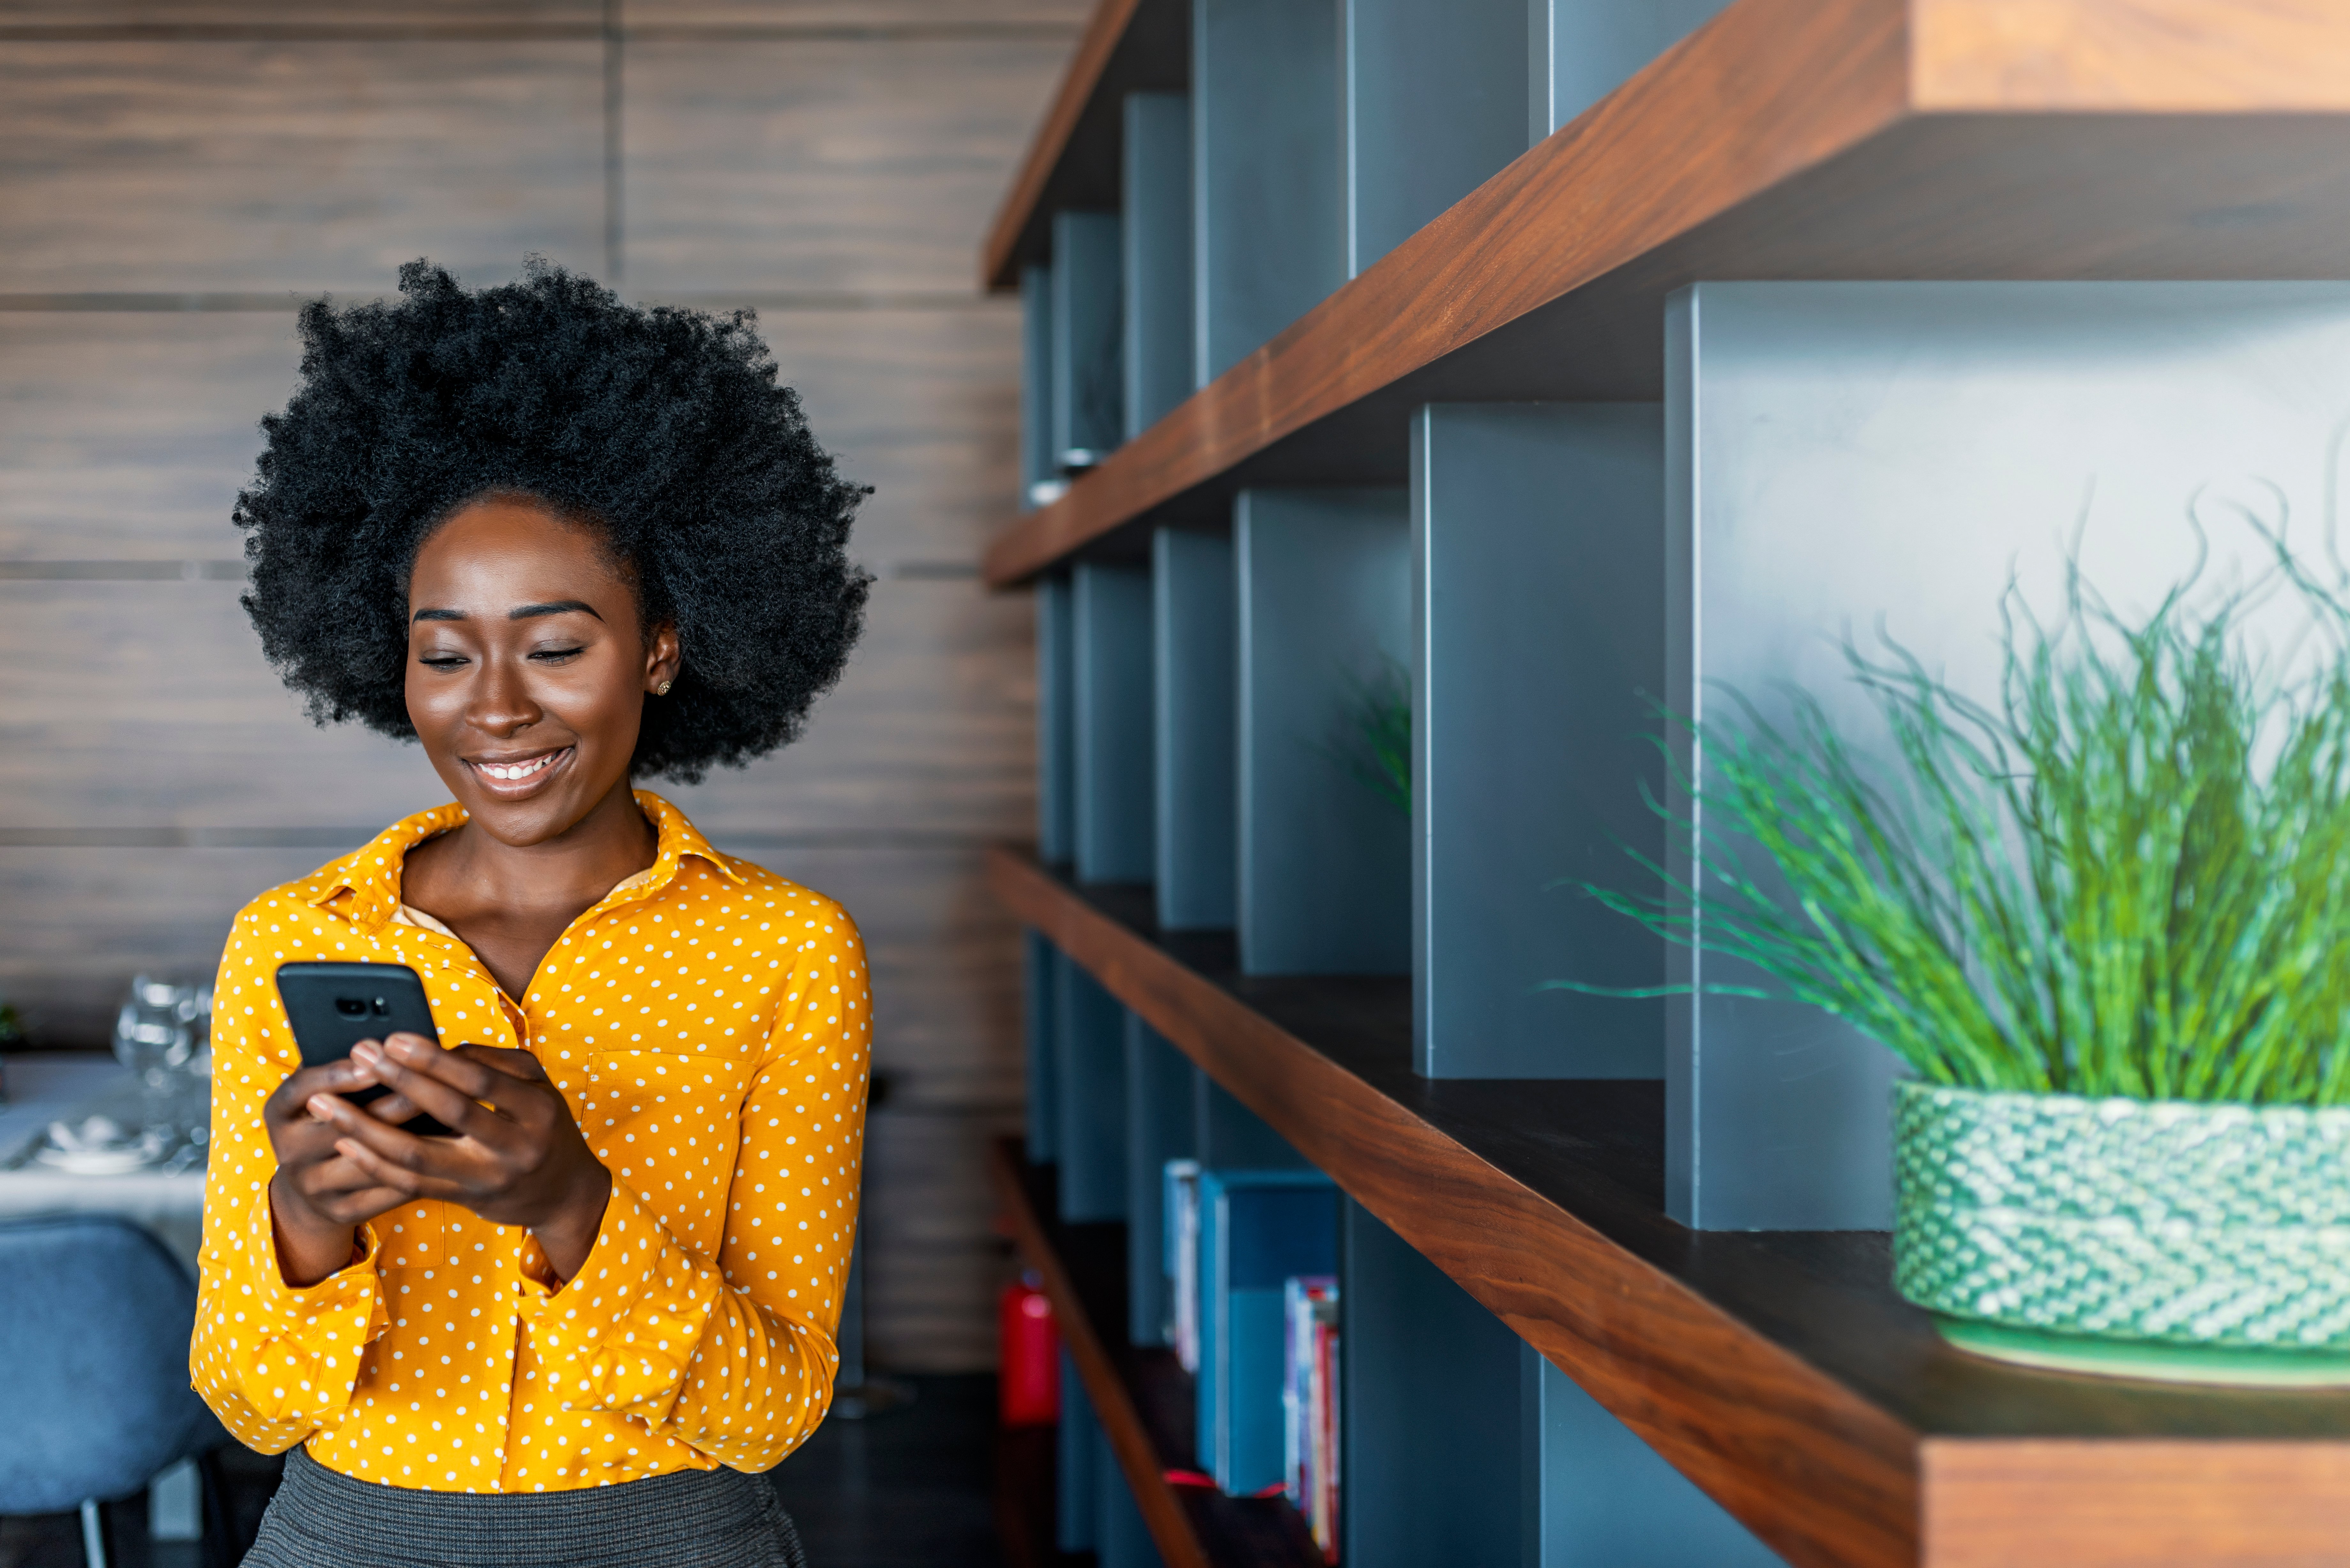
[[664, 431]]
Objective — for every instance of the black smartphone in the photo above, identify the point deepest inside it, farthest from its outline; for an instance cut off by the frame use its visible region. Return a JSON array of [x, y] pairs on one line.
[[334, 1006]]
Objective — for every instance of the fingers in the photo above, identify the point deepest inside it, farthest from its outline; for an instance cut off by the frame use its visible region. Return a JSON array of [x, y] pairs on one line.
[[500, 1059], [330, 1077], [387, 1156], [438, 1080]]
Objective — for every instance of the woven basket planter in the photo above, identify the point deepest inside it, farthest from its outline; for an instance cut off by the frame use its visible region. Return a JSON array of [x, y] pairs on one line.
[[2128, 1238]]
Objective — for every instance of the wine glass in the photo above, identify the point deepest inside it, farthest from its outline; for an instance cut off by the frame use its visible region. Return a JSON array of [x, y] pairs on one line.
[[155, 1036]]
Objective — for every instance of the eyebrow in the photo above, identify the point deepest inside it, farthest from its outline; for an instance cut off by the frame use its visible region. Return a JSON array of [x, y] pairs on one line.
[[520, 612]]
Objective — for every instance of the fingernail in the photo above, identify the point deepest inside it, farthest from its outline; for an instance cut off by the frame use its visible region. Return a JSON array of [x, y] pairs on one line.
[[321, 1107], [368, 1051]]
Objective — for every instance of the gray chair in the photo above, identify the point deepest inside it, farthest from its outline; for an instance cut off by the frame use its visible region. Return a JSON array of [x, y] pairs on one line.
[[95, 1317]]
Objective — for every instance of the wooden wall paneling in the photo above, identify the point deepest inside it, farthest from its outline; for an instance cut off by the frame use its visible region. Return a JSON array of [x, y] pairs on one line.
[[1080, 1455], [1057, 18], [1538, 572], [1089, 378], [1110, 635], [851, 165], [76, 923], [1428, 1382], [933, 1267], [1325, 607], [914, 400], [1158, 1127], [1155, 242], [1040, 1010], [1194, 638], [1040, 475], [1593, 1495], [1265, 169], [303, 17], [149, 704], [1090, 1039], [931, 731], [258, 167], [1432, 102], [1579, 51], [125, 435], [1057, 721]]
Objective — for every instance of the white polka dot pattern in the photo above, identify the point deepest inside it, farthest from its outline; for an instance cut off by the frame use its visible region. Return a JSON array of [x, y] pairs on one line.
[[709, 1023]]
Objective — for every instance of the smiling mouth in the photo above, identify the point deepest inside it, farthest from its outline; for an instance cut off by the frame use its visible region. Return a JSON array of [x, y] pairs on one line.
[[518, 775]]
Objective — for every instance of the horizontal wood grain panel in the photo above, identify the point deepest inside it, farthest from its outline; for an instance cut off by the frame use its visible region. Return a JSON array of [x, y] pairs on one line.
[[933, 1265], [147, 703], [127, 435], [97, 14], [2149, 1504], [301, 166], [1779, 1371], [1786, 138], [860, 166], [974, 15]]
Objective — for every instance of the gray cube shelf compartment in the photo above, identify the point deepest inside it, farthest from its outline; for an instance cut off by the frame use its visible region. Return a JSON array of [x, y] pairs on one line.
[[1194, 636], [1323, 578], [1429, 1468], [1089, 1096], [1433, 102], [1111, 735], [1538, 650], [1595, 1496], [1041, 1009], [1264, 166], [1847, 458], [1087, 344], [1579, 51], [1158, 1127], [1057, 722], [1154, 215]]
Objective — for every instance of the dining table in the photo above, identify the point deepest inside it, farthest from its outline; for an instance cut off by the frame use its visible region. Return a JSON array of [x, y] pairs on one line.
[[167, 1198]]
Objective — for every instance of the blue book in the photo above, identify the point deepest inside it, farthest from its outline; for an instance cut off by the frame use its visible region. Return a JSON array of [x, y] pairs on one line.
[[1257, 1228]]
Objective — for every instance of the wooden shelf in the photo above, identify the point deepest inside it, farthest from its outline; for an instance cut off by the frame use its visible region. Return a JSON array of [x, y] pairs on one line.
[[1778, 1371], [1786, 138], [1142, 1397], [1130, 46]]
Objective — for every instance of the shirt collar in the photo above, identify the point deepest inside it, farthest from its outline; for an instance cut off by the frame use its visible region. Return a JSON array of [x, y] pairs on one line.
[[363, 886]]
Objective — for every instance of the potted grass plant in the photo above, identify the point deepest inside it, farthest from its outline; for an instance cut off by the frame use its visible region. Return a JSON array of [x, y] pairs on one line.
[[2104, 917]]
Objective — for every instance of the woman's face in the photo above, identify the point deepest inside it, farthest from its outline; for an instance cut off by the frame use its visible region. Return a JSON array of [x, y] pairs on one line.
[[527, 672]]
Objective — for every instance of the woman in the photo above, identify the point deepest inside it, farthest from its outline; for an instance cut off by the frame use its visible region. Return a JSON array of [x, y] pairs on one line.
[[560, 542]]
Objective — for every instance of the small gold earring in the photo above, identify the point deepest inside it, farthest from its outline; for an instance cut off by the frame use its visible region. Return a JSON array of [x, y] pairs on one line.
[[661, 690]]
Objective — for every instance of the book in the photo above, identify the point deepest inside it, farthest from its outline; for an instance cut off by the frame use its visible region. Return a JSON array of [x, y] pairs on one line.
[[1310, 1405], [1180, 1236], [1257, 1228]]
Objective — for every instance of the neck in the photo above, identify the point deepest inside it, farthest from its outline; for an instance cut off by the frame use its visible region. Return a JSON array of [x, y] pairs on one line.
[[571, 870]]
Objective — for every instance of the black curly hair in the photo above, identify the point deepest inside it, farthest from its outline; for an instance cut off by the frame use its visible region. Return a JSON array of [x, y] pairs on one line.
[[663, 430]]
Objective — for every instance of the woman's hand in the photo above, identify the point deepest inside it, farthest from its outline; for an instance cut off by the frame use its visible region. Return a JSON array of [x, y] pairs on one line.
[[517, 1157], [317, 1195]]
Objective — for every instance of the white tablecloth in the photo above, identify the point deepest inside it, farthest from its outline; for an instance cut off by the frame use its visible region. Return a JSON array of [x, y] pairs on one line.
[[44, 1087]]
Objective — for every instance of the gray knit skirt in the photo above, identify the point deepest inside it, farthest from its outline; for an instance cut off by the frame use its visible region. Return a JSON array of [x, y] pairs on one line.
[[687, 1519]]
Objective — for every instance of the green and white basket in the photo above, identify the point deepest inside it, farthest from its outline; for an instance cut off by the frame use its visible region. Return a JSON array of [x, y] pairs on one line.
[[2129, 1238]]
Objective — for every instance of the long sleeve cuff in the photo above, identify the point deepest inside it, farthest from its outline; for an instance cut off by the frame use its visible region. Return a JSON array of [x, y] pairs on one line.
[[300, 1348], [621, 1334]]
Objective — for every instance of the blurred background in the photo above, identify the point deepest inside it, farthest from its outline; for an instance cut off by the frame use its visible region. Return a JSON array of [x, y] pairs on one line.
[[177, 175]]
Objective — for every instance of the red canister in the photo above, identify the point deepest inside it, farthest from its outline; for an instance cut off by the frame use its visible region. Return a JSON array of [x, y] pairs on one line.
[[1029, 1361]]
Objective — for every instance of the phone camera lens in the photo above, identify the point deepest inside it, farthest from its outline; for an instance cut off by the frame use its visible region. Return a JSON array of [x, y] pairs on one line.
[[350, 1006], [383, 1008]]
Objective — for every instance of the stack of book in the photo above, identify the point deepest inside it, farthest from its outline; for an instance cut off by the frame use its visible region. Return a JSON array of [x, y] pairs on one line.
[[1309, 1399], [1180, 1229]]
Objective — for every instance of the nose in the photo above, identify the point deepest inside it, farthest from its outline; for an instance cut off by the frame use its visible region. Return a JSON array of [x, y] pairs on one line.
[[501, 703]]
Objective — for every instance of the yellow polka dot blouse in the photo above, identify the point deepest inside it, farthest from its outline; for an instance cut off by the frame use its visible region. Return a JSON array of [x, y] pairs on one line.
[[709, 1023]]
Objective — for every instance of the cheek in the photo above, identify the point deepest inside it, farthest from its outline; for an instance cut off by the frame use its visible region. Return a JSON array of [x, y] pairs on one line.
[[600, 698]]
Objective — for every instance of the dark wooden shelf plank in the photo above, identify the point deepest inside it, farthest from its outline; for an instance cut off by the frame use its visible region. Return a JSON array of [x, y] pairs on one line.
[[1778, 1371], [1142, 1397], [1786, 138], [1129, 46]]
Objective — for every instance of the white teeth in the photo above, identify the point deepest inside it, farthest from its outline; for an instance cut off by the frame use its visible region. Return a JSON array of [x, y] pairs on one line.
[[520, 770]]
